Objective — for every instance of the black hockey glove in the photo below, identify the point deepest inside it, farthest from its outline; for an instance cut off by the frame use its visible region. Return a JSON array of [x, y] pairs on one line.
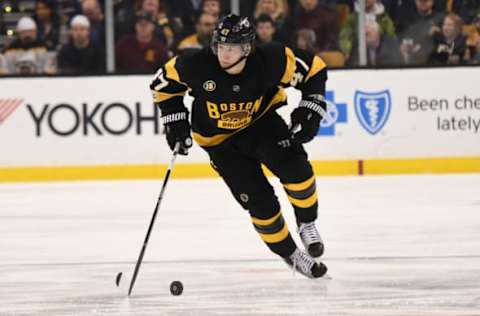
[[177, 129], [305, 119]]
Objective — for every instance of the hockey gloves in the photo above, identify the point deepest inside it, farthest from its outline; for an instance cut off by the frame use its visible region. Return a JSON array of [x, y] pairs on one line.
[[177, 129], [305, 119]]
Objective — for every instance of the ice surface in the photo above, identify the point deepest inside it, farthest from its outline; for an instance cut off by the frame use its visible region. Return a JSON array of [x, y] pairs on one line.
[[395, 245]]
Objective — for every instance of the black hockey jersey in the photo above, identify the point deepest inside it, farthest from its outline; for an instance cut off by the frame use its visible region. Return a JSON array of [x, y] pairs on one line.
[[225, 104]]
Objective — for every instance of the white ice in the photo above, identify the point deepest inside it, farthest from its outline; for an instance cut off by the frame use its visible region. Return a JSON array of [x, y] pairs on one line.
[[395, 245]]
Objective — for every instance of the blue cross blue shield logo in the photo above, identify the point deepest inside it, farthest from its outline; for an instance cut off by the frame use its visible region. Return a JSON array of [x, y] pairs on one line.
[[336, 113], [372, 109]]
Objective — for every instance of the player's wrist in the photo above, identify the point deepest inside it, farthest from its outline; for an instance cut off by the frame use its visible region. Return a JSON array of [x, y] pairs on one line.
[[315, 103], [174, 117]]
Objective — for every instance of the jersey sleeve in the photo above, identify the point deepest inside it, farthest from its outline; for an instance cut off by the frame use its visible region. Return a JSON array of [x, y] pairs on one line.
[[305, 72], [170, 86]]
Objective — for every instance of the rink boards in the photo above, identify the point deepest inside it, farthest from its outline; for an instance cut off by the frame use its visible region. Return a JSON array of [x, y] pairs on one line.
[[379, 122]]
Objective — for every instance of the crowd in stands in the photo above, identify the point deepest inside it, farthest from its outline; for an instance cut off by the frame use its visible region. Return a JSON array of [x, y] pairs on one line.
[[68, 36]]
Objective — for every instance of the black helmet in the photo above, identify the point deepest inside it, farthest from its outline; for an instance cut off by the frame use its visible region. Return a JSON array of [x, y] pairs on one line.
[[233, 29]]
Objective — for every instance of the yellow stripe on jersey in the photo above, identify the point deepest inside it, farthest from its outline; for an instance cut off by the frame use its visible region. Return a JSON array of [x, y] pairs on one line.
[[300, 186], [290, 66], [209, 141], [163, 96], [317, 65], [171, 71], [304, 203], [275, 237], [279, 97]]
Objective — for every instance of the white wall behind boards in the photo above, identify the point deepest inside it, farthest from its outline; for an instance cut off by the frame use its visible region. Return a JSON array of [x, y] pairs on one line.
[[417, 113]]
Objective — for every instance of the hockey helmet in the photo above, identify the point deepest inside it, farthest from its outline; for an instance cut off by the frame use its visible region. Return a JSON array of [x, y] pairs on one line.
[[233, 29]]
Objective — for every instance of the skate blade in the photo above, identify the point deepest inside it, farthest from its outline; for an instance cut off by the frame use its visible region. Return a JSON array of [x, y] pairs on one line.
[[326, 276]]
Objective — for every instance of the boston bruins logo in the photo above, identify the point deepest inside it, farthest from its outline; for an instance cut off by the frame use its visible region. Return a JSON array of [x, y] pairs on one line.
[[209, 85]]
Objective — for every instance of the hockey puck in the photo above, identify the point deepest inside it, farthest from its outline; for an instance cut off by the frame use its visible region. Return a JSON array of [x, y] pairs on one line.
[[176, 288], [118, 278]]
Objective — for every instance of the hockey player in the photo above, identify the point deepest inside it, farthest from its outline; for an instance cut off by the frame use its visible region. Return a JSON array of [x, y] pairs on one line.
[[236, 89]]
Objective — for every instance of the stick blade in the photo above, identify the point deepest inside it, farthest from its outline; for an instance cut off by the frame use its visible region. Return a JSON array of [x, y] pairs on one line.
[[118, 278]]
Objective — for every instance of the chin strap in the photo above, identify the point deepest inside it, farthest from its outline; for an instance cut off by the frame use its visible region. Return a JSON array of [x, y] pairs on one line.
[[235, 63]]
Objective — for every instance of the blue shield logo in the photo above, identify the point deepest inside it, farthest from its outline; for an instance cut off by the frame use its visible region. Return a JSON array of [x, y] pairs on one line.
[[336, 113], [372, 109]]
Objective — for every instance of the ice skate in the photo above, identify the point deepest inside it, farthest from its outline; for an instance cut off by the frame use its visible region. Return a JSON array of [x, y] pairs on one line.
[[311, 239], [306, 265]]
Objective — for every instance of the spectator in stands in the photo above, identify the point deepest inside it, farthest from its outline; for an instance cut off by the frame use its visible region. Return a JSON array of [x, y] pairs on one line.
[[141, 52], [93, 11], [265, 29], [187, 12], [212, 7], [450, 46], [79, 56], [48, 23], [374, 12], [306, 40], [322, 20], [399, 9], [277, 10], [382, 48], [204, 29], [28, 55], [416, 32], [184, 13], [165, 27]]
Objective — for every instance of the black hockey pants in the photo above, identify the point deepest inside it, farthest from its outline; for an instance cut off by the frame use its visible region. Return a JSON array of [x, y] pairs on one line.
[[238, 160]]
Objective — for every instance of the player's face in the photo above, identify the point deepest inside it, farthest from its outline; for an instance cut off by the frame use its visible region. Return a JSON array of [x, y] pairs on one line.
[[229, 54]]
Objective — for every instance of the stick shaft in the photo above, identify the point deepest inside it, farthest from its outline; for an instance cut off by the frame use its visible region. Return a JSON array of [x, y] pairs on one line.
[[152, 221]]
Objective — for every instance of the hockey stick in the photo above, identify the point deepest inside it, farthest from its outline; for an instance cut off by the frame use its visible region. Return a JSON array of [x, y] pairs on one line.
[[152, 221]]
